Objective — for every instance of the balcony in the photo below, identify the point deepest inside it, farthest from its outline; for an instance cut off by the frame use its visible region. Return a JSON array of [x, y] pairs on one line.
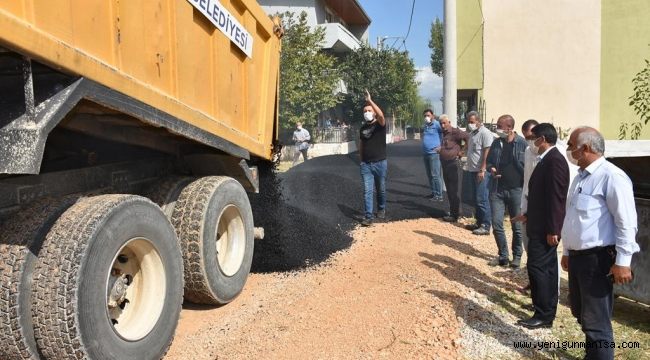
[[339, 39]]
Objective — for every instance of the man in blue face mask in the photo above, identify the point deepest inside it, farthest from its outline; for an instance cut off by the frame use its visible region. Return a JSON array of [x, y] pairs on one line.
[[505, 162]]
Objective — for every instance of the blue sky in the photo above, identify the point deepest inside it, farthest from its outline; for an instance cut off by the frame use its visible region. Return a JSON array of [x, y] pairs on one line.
[[391, 18]]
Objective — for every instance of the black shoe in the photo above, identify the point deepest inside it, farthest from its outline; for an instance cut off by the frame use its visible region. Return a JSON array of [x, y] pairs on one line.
[[450, 219], [533, 323], [430, 197], [366, 222], [481, 231], [497, 261], [515, 263], [381, 214], [472, 226]]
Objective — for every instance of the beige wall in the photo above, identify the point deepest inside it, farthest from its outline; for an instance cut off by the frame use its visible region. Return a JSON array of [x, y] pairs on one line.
[[553, 44], [470, 44]]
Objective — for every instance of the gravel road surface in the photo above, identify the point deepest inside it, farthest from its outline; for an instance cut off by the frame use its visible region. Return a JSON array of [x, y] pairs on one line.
[[322, 287]]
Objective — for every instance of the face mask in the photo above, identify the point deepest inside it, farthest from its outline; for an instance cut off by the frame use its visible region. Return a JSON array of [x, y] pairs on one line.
[[534, 148], [427, 119], [502, 134], [369, 116], [572, 160], [472, 127]]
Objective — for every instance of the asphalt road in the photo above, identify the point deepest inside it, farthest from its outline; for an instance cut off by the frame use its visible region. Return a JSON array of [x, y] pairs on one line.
[[308, 211]]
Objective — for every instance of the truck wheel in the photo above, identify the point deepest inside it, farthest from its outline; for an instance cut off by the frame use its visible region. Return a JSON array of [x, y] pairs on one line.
[[166, 192], [22, 237], [108, 282], [214, 223]]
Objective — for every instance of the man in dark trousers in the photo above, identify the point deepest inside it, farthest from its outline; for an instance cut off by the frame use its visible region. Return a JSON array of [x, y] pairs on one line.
[[372, 151], [599, 237], [547, 192], [453, 141]]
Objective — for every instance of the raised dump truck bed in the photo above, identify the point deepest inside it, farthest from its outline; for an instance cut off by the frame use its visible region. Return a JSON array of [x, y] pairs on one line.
[[166, 54], [129, 131]]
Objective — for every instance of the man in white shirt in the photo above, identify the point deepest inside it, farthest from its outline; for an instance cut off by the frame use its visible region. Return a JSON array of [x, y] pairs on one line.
[[301, 138], [599, 236]]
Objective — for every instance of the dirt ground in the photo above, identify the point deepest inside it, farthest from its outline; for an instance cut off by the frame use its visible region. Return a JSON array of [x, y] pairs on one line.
[[406, 289], [412, 288], [387, 296]]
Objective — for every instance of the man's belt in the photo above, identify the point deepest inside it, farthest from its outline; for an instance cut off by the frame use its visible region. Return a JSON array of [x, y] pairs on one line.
[[590, 251]]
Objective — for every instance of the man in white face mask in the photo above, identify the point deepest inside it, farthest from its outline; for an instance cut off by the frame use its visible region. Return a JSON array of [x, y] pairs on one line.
[[599, 235], [431, 141], [548, 187], [372, 151], [301, 138], [530, 161], [476, 179], [506, 165]]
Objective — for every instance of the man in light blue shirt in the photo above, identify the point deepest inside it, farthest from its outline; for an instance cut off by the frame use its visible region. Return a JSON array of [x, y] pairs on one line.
[[599, 238], [431, 141]]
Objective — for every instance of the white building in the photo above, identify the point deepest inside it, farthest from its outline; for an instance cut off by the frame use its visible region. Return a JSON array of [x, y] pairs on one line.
[[346, 23], [346, 27]]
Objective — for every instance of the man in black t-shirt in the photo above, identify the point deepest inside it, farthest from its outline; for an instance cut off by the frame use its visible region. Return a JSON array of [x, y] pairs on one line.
[[372, 151], [505, 162]]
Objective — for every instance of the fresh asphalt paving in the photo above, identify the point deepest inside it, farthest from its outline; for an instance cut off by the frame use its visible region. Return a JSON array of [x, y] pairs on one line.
[[307, 211]]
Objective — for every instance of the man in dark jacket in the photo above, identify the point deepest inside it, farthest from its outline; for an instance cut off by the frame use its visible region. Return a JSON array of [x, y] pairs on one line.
[[547, 192], [506, 164], [453, 141]]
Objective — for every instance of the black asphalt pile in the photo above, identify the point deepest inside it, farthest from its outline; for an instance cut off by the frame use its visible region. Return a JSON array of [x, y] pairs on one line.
[[308, 211]]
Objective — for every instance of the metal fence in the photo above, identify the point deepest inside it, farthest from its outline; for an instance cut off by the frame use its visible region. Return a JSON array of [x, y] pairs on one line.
[[331, 135], [334, 135]]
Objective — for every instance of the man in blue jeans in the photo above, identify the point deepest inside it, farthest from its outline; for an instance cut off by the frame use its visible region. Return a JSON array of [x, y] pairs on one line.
[[372, 151], [506, 165], [478, 147], [431, 140]]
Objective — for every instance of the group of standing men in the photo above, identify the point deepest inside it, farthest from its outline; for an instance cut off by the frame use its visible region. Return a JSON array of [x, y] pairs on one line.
[[551, 192], [570, 194]]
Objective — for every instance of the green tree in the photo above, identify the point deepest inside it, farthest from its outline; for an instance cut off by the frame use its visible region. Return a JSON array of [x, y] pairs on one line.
[[308, 77], [388, 74], [436, 46], [640, 102], [418, 106]]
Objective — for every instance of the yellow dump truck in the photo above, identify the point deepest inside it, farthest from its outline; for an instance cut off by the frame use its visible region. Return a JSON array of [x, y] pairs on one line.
[[129, 134]]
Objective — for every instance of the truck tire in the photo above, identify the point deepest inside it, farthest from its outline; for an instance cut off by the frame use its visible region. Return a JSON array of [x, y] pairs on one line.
[[166, 192], [22, 236], [108, 282], [214, 223]]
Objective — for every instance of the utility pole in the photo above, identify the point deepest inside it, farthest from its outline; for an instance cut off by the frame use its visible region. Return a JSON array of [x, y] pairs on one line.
[[381, 39], [450, 72]]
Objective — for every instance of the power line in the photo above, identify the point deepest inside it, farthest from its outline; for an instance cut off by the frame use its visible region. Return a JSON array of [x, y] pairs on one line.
[[407, 32], [410, 21]]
